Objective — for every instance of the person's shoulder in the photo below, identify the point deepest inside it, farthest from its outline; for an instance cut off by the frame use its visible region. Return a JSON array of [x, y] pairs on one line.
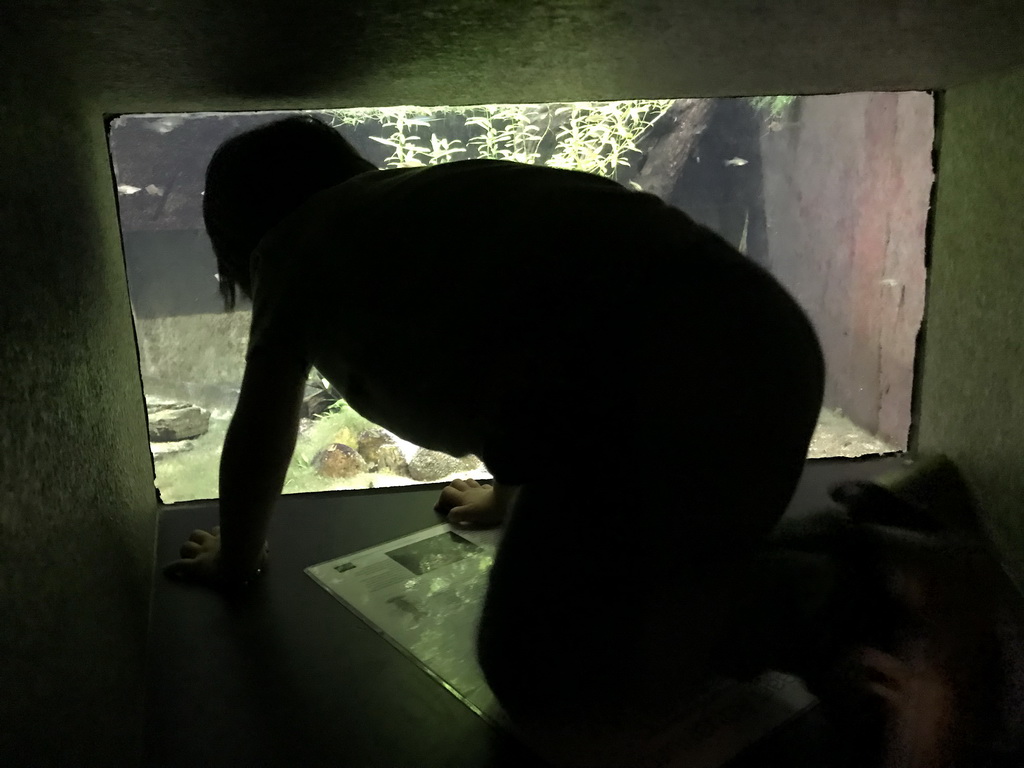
[[307, 222], [398, 179], [508, 185], [378, 186], [509, 170]]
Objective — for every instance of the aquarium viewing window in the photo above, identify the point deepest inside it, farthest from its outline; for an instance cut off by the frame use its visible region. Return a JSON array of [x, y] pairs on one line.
[[829, 193]]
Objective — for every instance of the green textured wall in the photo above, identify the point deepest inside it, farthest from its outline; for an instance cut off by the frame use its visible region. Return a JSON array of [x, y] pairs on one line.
[[77, 505], [972, 382]]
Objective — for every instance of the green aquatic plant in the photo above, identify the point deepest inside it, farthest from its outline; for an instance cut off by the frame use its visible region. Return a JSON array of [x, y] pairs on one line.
[[300, 472], [596, 137], [773, 107], [338, 406], [409, 149], [508, 131], [599, 137]]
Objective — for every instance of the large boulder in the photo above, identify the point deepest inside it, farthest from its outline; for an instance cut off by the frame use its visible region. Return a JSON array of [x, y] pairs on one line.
[[381, 452], [177, 421], [427, 466], [162, 450], [471, 463], [338, 461]]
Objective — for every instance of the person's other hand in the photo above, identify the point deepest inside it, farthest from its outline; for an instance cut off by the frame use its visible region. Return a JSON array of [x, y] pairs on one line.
[[201, 562], [467, 502], [921, 705]]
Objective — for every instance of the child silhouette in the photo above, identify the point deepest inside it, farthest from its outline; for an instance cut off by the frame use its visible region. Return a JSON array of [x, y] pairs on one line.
[[617, 367]]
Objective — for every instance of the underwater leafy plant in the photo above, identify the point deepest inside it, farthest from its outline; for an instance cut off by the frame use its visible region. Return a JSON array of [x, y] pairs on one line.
[[773, 106], [596, 137], [509, 131], [409, 151]]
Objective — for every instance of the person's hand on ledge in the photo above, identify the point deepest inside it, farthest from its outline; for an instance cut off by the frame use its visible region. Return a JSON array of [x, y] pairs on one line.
[[468, 503], [202, 563]]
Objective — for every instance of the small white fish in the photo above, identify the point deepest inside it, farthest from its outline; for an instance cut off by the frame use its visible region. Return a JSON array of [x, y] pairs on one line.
[[890, 282], [737, 161], [128, 189], [153, 189], [165, 124]]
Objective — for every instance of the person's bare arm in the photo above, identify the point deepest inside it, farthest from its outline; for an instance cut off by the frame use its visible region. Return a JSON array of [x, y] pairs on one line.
[[257, 450]]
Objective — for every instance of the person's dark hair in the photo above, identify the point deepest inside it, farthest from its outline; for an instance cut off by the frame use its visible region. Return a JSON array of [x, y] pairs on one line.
[[256, 179]]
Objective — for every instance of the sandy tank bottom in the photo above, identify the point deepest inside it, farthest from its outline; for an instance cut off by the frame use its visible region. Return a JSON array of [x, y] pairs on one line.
[[189, 469]]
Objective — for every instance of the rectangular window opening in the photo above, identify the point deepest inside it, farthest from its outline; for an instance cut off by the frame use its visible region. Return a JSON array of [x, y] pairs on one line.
[[829, 193]]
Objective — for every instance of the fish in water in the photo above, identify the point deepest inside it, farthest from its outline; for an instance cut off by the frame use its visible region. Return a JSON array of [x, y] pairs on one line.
[[165, 124], [128, 189], [736, 161]]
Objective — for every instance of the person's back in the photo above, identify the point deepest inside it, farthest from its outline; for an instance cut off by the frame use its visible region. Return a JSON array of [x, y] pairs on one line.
[[406, 263], [577, 336], [623, 366], [559, 292], [649, 390]]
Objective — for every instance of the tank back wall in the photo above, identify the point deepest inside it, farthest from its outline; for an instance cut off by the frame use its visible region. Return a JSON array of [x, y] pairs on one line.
[[201, 349], [171, 273], [846, 198]]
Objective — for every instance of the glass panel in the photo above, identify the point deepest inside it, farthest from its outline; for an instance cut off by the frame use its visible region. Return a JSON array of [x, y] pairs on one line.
[[829, 193]]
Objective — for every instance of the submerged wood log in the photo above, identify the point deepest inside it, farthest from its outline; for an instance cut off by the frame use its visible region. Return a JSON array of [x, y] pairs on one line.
[[665, 160]]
